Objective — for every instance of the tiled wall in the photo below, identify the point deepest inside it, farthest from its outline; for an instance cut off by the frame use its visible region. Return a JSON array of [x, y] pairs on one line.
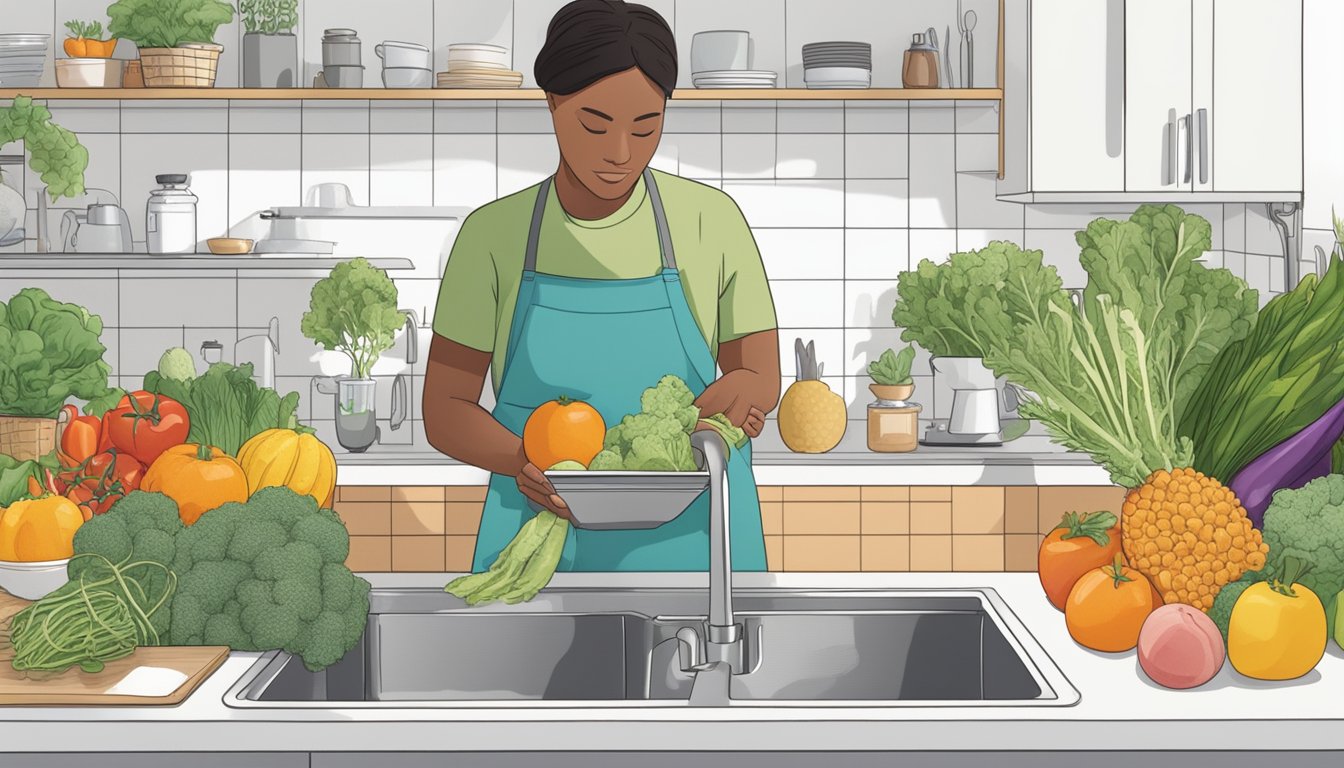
[[1323, 173], [821, 528]]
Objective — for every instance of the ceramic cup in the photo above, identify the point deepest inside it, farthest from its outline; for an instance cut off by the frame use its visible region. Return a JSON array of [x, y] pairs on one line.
[[397, 55], [719, 50]]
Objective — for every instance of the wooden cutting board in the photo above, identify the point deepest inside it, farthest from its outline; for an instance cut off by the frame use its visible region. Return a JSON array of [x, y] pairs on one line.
[[77, 688]]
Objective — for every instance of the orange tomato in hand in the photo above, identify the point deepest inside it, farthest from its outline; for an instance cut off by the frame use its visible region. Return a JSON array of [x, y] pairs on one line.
[[1077, 545], [563, 430], [1107, 607]]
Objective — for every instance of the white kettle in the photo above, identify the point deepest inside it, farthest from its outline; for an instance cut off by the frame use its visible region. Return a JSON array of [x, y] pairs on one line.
[[101, 228]]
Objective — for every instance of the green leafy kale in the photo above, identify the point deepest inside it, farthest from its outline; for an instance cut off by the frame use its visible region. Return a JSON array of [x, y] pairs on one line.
[[1113, 377], [168, 23], [49, 352], [54, 153], [892, 369], [354, 310], [964, 306], [14, 476]]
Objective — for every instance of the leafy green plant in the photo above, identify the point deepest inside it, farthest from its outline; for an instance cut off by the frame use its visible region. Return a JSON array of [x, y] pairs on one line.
[[226, 407], [93, 30], [168, 23], [49, 352], [892, 369], [269, 17], [1113, 377], [354, 310], [964, 306], [54, 153]]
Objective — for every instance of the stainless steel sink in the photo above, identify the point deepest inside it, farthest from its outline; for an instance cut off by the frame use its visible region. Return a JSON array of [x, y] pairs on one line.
[[643, 647]]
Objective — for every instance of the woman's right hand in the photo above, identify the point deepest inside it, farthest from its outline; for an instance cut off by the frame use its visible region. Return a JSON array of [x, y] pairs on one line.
[[534, 485]]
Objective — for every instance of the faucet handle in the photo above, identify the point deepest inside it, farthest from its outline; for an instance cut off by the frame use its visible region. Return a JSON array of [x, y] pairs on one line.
[[688, 649]]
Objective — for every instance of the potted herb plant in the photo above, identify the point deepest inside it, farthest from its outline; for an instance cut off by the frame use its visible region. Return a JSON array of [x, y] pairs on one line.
[[891, 375], [354, 310], [175, 37], [54, 153], [270, 49]]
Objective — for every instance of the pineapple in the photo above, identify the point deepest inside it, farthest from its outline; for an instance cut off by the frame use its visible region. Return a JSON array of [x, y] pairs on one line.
[[811, 417]]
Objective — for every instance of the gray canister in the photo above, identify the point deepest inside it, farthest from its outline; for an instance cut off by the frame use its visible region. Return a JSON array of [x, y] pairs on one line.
[[340, 48]]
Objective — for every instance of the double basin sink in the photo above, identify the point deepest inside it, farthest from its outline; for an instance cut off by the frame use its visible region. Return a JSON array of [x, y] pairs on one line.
[[644, 647]]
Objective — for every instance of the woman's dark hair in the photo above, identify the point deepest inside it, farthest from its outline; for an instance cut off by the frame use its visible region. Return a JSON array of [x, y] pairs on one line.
[[590, 39]]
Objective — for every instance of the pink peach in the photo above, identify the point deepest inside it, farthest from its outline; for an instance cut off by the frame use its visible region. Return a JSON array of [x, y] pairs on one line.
[[1180, 647]]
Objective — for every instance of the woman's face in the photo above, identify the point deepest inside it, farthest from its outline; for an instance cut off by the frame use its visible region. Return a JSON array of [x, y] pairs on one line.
[[609, 131]]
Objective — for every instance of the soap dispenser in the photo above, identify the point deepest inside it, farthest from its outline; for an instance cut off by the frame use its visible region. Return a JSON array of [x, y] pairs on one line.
[[920, 67]]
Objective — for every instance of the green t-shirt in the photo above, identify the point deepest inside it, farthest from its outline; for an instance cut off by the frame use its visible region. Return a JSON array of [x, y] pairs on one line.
[[720, 266]]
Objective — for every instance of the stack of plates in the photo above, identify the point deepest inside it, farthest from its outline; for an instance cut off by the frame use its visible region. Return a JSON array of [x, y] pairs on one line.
[[838, 65], [479, 65], [21, 58], [734, 78]]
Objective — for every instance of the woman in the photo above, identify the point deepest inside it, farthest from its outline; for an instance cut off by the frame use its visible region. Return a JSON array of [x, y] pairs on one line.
[[596, 283]]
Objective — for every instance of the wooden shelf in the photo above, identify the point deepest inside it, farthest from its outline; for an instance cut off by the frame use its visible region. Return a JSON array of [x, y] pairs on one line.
[[496, 94], [89, 261]]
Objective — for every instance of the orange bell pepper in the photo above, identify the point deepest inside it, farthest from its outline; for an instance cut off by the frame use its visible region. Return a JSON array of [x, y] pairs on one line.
[[83, 437]]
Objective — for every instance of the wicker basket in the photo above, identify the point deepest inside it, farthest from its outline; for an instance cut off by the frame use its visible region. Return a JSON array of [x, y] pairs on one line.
[[26, 438], [191, 65]]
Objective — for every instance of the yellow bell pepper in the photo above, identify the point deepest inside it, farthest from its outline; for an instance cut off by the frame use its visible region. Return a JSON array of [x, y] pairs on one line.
[[35, 530], [1277, 629]]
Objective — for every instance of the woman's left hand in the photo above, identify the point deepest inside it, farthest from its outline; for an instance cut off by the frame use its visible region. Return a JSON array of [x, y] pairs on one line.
[[738, 395]]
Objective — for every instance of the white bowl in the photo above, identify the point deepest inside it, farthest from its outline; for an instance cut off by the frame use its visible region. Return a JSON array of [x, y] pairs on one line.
[[720, 49], [32, 581], [822, 75], [407, 77], [399, 55], [478, 56], [89, 73]]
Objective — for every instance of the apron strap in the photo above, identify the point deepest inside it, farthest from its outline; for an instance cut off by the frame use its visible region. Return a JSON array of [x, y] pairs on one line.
[[534, 231], [659, 220]]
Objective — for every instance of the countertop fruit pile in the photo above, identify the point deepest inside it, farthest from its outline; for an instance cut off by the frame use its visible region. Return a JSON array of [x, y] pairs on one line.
[[192, 512], [1223, 423]]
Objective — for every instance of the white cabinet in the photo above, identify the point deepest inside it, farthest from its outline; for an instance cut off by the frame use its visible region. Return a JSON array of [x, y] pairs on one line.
[[1156, 100]]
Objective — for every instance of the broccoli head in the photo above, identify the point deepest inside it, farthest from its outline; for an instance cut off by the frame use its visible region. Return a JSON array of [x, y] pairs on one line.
[[607, 460], [1308, 523], [140, 527], [671, 398], [270, 573]]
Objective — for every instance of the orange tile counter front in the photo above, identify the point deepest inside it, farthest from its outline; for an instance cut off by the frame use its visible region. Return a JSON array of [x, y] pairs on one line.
[[807, 528]]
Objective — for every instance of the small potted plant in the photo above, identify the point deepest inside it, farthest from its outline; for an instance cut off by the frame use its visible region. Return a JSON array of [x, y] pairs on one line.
[[54, 153], [270, 49], [893, 421], [354, 310], [175, 37], [891, 376], [89, 63]]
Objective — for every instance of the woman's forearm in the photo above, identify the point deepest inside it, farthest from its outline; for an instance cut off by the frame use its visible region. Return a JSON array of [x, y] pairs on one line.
[[465, 431]]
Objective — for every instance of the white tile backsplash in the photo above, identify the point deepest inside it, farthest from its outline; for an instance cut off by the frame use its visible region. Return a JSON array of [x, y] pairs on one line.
[[812, 117], [932, 244], [402, 170], [877, 117], [828, 342], [336, 117], [810, 156], [877, 156], [877, 203], [176, 116], [876, 254], [749, 117], [868, 303], [977, 117], [525, 159], [262, 174], [265, 116], [809, 303], [933, 117], [749, 155], [699, 155], [933, 181], [404, 117], [465, 170], [802, 254], [204, 157], [86, 116], [339, 158], [790, 203], [977, 152]]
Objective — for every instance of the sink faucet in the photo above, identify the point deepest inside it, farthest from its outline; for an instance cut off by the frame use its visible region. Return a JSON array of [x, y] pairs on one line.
[[723, 645]]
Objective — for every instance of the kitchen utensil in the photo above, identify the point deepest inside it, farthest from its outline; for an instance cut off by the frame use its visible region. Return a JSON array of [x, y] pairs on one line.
[[398, 55], [720, 50], [170, 216], [407, 77], [32, 580], [947, 58], [961, 49], [343, 76], [228, 246], [100, 228], [970, 49], [976, 400], [271, 245], [260, 350], [919, 68], [932, 36], [89, 73], [329, 194], [212, 351]]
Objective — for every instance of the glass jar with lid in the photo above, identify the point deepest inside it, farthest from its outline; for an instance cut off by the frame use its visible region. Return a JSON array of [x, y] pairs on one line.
[[893, 421]]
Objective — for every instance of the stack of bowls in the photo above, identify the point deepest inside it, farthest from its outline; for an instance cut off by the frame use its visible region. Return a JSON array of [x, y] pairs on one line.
[[405, 65], [22, 56], [479, 65], [721, 58], [839, 64]]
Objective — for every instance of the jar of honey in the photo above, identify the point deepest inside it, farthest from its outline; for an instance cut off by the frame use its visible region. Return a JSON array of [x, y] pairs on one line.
[[893, 421]]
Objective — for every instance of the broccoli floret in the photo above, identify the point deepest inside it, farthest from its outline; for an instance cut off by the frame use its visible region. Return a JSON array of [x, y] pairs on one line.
[[142, 527], [1221, 612], [270, 573], [671, 398], [661, 453], [1308, 523], [607, 460]]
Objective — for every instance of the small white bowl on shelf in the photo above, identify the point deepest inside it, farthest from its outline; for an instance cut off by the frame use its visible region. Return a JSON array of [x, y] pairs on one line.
[[407, 77], [32, 581], [89, 73]]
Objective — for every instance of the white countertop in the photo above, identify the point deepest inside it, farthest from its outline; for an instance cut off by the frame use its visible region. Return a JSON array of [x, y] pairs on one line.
[[1230, 713], [1029, 460]]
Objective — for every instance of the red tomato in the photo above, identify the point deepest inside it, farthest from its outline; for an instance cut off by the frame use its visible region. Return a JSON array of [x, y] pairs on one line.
[[145, 425], [112, 471]]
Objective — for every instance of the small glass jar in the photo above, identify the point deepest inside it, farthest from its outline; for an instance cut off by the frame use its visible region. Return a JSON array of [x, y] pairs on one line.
[[893, 421]]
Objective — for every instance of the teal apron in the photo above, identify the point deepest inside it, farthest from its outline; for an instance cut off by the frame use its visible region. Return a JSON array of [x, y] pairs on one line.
[[605, 342]]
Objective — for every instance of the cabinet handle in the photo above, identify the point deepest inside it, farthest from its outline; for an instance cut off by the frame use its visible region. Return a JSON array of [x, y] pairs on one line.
[[1171, 154], [1203, 119], [1189, 147]]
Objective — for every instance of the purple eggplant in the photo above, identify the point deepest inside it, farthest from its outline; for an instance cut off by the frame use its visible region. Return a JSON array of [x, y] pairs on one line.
[[1291, 464]]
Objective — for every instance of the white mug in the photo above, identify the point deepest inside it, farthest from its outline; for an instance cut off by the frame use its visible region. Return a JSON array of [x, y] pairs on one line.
[[397, 55]]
